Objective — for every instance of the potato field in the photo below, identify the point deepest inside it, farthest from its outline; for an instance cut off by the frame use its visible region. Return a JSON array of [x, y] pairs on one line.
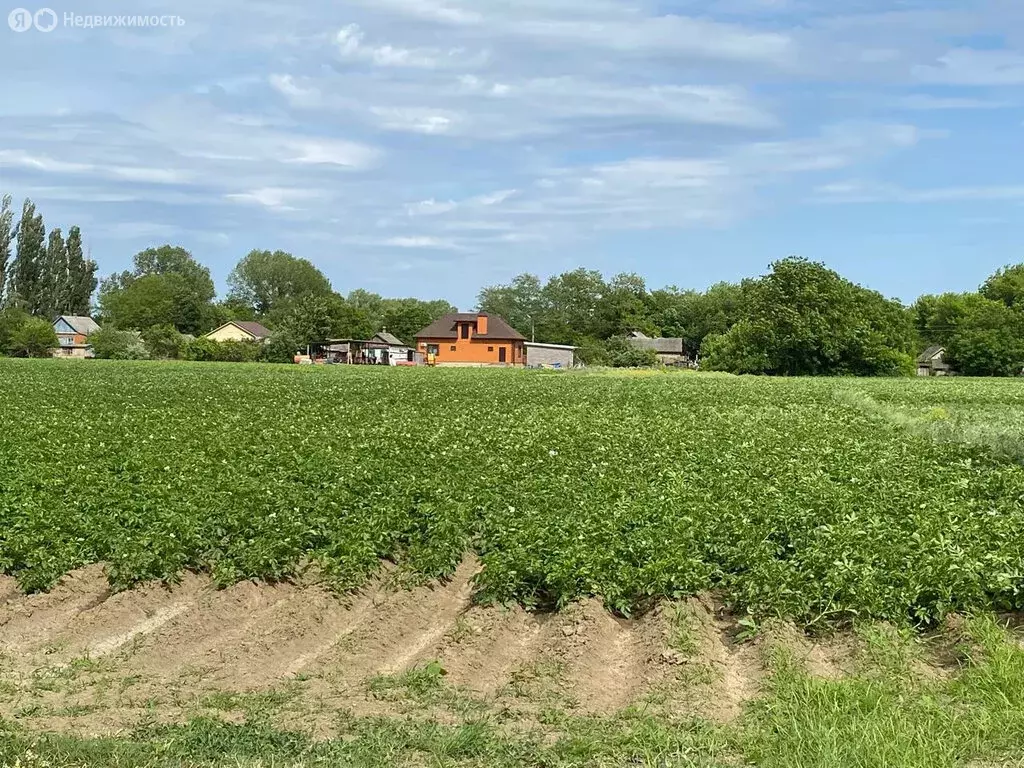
[[820, 500]]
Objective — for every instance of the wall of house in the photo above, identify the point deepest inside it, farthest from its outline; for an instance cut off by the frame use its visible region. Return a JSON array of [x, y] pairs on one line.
[[474, 351], [80, 352], [229, 333], [549, 357]]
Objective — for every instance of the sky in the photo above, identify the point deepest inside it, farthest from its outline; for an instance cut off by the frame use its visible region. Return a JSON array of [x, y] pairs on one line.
[[431, 147]]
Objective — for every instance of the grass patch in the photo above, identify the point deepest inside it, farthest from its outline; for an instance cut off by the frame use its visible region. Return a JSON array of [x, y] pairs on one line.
[[888, 715]]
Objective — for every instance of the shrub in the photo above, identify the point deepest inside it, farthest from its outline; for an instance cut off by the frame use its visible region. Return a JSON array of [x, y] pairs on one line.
[[623, 355], [281, 348], [113, 344], [210, 351], [11, 319], [164, 342], [33, 338]]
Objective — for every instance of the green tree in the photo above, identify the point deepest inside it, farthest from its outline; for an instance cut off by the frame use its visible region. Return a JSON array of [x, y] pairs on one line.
[[81, 277], [317, 318], [804, 319], [988, 341], [11, 319], [1007, 286], [35, 337], [6, 236], [521, 302], [25, 287], [938, 318], [624, 307], [572, 303], [406, 317], [53, 276], [263, 279], [148, 301], [694, 316], [166, 287], [370, 304]]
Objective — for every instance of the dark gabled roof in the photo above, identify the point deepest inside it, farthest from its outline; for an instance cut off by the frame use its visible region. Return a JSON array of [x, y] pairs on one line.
[[931, 353], [445, 328], [661, 346], [390, 338], [81, 324], [251, 326]]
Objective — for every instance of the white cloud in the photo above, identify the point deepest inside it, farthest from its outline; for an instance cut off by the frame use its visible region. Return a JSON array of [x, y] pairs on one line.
[[430, 207], [299, 95], [16, 157], [328, 152], [430, 10], [415, 119], [925, 102], [275, 198], [433, 207], [48, 164], [351, 45], [420, 241], [616, 26], [966, 66], [867, 192]]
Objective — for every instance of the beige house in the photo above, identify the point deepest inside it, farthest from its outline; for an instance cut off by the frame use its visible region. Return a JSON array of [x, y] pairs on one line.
[[239, 330]]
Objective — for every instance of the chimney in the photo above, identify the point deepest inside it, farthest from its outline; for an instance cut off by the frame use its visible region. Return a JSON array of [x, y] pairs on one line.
[[481, 324]]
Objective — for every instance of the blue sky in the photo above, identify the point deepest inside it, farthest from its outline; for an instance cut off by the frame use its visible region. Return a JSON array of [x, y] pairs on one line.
[[430, 147]]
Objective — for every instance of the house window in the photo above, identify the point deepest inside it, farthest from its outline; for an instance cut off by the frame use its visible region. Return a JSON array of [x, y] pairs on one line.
[[451, 348], [433, 349], [465, 330], [490, 349]]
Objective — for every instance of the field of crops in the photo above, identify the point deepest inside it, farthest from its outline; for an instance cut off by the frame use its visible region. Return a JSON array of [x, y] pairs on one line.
[[787, 497]]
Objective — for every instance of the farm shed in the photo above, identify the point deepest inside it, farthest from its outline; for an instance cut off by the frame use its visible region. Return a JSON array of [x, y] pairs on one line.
[[670, 351], [932, 362], [73, 333], [398, 351], [350, 352], [549, 355], [239, 330], [472, 339]]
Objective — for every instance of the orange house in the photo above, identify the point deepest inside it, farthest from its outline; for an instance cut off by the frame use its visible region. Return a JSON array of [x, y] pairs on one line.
[[472, 339]]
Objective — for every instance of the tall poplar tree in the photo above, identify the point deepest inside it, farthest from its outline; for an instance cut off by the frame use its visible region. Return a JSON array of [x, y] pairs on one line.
[[6, 234], [81, 282], [53, 276], [25, 285]]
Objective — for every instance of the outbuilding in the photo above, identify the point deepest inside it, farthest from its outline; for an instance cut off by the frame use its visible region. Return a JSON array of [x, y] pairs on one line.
[[932, 362], [670, 351], [549, 355]]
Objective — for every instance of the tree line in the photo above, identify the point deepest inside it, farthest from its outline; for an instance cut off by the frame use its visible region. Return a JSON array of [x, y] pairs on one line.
[[158, 308], [801, 318]]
